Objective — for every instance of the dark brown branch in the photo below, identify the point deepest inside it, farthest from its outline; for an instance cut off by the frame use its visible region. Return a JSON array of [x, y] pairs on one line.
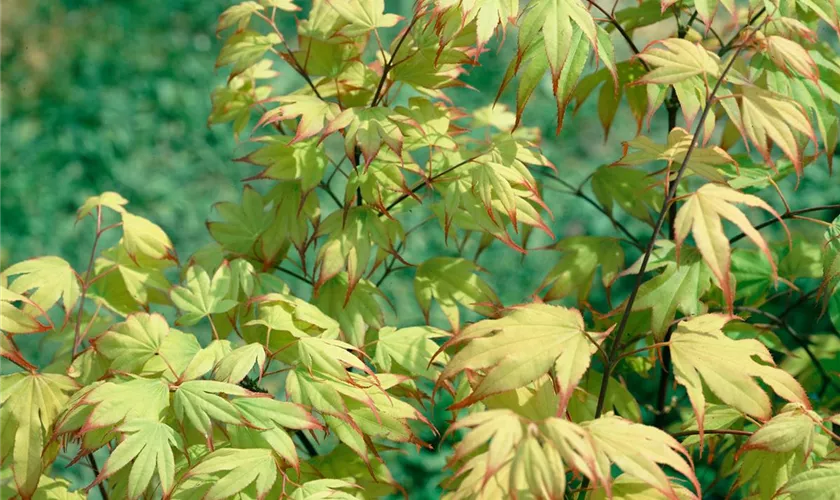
[[623, 33], [307, 444], [786, 215], [649, 250], [731, 432], [420, 185], [377, 95], [326, 188], [728, 46], [101, 486], [802, 342], [580, 194], [294, 274]]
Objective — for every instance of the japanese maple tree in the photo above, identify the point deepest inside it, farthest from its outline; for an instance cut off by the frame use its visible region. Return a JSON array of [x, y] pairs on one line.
[[299, 395]]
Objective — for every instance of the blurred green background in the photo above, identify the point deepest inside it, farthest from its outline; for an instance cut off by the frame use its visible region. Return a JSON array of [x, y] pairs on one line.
[[102, 95]]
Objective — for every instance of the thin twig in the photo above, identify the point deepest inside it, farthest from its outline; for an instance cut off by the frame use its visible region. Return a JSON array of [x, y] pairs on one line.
[[326, 188], [77, 340], [377, 95], [580, 194], [294, 274], [307, 444], [611, 18], [802, 342], [649, 250], [728, 46], [786, 215], [101, 486], [731, 432], [420, 185]]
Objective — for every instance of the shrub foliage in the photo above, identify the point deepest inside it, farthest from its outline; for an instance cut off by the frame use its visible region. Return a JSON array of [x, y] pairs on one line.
[[300, 396]]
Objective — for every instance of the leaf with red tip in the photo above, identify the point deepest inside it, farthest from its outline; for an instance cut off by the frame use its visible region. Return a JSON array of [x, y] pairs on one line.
[[701, 215]]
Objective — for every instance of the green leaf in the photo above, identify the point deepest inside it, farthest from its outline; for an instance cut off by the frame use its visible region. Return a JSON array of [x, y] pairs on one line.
[[107, 199], [527, 343], [574, 272], [31, 404], [821, 482], [143, 237], [702, 213], [244, 49], [629, 188], [284, 160], [202, 296], [323, 488], [704, 161], [680, 287], [240, 468], [363, 16], [639, 450], [703, 355], [411, 351], [356, 315], [677, 59], [200, 402], [452, 281], [313, 112], [111, 403], [52, 279], [148, 446], [271, 416], [130, 344], [236, 365]]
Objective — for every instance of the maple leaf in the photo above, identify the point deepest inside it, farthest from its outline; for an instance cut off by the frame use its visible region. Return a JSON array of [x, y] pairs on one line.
[[701, 215], [271, 417], [679, 287], [452, 281], [702, 354], [202, 296], [487, 14], [793, 429], [631, 189], [52, 278], [358, 314], [245, 49], [820, 482], [704, 161], [111, 403], [369, 129], [31, 402], [413, 350], [148, 446], [108, 199], [236, 365], [528, 342], [143, 237], [133, 342], [639, 450], [574, 272], [766, 116], [314, 114], [363, 16], [353, 236], [284, 160], [676, 60], [557, 36], [199, 403], [234, 469]]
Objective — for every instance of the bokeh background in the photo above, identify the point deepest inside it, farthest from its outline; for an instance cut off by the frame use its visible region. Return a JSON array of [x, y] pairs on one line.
[[102, 95]]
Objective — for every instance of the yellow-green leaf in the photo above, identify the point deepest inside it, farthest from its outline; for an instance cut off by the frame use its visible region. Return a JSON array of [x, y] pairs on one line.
[[528, 342], [701, 215], [703, 356]]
